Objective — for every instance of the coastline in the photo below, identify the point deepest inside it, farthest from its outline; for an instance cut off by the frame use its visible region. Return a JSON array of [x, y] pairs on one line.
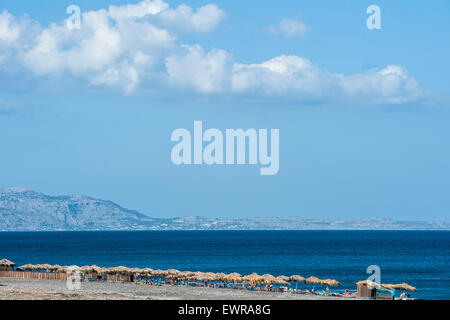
[[32, 289]]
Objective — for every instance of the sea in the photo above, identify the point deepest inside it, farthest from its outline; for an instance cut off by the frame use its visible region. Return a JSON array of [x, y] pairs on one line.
[[419, 258]]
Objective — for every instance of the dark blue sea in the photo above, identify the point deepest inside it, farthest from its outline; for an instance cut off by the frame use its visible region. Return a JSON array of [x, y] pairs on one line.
[[419, 258]]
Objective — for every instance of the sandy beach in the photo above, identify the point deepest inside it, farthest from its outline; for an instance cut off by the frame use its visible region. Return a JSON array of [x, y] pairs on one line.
[[31, 289]]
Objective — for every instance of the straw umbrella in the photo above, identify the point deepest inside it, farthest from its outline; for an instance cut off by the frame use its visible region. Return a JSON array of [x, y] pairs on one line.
[[25, 267], [195, 276], [34, 267], [233, 277], [55, 267], [200, 277], [147, 272], [120, 270], [185, 275], [268, 278], [220, 276], [158, 273], [281, 280], [47, 267], [62, 269], [134, 272], [372, 284], [210, 277], [172, 273], [101, 271], [388, 286], [251, 278], [248, 278], [297, 279], [6, 265], [313, 280], [85, 268], [404, 287], [330, 282], [6, 262]]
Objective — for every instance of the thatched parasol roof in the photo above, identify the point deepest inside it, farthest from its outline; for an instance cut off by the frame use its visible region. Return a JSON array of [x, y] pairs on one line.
[[200, 276], [6, 262], [37, 267], [193, 275], [297, 278], [159, 273], [211, 276], [252, 278], [249, 277], [233, 277], [281, 280], [285, 278], [146, 272], [134, 271], [369, 283], [25, 267], [45, 267], [54, 268], [220, 276], [85, 268], [172, 273], [98, 270], [313, 280], [268, 278], [186, 275], [330, 282], [117, 270], [403, 286], [62, 269]]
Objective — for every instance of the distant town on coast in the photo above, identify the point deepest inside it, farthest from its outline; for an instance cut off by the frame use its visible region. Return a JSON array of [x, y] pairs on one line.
[[28, 210]]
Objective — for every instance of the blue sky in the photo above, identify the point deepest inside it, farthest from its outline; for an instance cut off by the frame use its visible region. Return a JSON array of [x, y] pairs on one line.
[[363, 117]]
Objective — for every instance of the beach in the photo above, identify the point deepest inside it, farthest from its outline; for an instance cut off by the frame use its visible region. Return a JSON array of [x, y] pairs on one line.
[[32, 289]]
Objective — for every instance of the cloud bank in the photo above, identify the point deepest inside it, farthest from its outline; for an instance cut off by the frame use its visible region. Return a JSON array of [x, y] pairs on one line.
[[137, 47]]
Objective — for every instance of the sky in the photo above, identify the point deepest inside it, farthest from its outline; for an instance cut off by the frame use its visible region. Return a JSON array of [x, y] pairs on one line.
[[363, 114]]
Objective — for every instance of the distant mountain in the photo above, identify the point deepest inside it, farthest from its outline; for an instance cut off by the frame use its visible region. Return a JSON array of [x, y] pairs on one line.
[[28, 210]]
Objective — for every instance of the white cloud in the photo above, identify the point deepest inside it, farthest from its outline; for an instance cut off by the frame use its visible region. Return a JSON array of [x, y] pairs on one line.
[[280, 75], [204, 72], [9, 30], [124, 76], [298, 77], [136, 47], [138, 10], [92, 49], [116, 46], [204, 20], [391, 84], [290, 28]]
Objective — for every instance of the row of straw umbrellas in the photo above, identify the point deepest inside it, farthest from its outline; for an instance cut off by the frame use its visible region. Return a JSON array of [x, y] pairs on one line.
[[234, 277], [253, 279]]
